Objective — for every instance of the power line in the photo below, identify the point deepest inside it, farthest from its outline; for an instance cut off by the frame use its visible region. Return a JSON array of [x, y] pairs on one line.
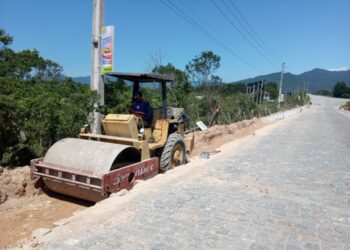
[[250, 33], [198, 16], [201, 29], [205, 22], [241, 33], [255, 33]]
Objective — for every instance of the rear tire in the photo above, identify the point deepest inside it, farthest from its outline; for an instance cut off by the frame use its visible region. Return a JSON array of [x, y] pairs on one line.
[[174, 153]]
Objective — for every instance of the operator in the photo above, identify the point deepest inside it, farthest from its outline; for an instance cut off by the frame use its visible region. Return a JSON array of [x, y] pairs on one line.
[[142, 108]]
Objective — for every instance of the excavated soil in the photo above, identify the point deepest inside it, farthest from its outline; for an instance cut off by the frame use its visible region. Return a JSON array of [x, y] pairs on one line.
[[16, 183], [25, 206], [212, 138]]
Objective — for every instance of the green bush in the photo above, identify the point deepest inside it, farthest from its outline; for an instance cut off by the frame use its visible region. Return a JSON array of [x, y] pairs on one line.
[[37, 106], [346, 106], [341, 90], [35, 115]]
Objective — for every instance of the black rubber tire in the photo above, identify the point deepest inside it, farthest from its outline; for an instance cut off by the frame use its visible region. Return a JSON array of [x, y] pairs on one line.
[[175, 143]]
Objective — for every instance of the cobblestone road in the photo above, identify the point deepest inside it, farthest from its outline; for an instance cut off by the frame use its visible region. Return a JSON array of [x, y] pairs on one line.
[[288, 189]]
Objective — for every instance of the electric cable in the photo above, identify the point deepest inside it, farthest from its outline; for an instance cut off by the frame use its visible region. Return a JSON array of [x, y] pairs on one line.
[[255, 33], [200, 28], [242, 34]]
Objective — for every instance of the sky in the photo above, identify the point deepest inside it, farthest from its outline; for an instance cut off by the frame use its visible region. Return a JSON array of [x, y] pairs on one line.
[[252, 37]]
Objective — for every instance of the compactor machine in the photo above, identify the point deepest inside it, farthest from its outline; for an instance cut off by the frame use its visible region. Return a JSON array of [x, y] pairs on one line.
[[96, 165]]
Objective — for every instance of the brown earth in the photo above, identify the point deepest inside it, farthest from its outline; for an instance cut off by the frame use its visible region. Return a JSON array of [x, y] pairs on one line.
[[15, 183], [25, 207], [212, 138]]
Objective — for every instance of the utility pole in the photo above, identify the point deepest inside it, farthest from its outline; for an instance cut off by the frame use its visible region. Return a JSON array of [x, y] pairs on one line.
[[96, 82], [280, 88]]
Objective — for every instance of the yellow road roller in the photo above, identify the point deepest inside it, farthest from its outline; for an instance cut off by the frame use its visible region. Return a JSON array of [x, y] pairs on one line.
[[95, 165]]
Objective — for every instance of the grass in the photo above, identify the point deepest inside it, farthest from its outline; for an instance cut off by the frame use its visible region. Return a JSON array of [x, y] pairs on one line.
[[346, 106]]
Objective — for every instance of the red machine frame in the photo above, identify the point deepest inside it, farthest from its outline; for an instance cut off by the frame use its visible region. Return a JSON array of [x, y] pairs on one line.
[[114, 181]]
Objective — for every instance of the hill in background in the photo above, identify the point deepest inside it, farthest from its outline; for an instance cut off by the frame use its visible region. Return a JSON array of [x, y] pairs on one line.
[[316, 79], [82, 79]]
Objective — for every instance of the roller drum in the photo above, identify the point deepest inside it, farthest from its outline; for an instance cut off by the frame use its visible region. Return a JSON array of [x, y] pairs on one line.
[[94, 156], [85, 156]]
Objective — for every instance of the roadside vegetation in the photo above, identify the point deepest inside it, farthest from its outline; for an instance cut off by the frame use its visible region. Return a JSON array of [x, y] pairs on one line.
[[346, 106], [39, 106], [340, 90]]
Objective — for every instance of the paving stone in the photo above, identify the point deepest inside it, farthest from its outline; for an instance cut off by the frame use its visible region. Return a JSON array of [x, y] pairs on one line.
[[287, 190], [311, 246]]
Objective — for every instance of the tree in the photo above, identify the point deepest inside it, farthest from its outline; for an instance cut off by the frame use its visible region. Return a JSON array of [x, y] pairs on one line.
[[37, 107], [5, 39], [272, 88], [49, 71], [117, 96], [180, 87], [200, 68], [35, 115], [9, 130], [234, 88], [341, 90], [156, 59], [25, 64]]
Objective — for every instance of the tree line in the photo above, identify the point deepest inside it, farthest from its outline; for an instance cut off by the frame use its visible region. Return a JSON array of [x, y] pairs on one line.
[[39, 106], [340, 90]]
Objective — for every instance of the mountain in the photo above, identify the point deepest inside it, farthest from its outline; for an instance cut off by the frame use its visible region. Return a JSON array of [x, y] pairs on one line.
[[316, 79], [82, 79]]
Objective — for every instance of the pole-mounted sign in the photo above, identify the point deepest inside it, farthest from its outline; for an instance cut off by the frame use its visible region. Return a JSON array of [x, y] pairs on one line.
[[107, 49]]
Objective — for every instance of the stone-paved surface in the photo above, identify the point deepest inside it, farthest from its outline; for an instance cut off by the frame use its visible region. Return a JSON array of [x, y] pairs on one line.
[[290, 189]]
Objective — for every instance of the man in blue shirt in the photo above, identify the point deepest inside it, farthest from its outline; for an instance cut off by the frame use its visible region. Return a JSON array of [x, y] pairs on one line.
[[142, 108]]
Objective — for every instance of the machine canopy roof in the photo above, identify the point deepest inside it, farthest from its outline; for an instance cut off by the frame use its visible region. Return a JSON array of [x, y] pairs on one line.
[[142, 77]]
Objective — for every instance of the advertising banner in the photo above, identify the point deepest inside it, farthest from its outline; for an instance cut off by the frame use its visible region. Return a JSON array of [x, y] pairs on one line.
[[107, 47]]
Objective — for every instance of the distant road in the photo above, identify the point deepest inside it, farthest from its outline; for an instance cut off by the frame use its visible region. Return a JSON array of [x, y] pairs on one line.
[[287, 187]]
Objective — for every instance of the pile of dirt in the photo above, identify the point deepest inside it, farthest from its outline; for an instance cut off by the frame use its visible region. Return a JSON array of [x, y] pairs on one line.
[[16, 182], [212, 138], [25, 207]]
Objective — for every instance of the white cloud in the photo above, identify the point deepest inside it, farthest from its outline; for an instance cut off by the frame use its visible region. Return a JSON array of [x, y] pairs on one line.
[[340, 69]]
